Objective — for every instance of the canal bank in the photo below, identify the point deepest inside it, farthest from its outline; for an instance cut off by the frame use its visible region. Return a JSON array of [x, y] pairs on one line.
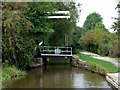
[[112, 78], [59, 74], [81, 63]]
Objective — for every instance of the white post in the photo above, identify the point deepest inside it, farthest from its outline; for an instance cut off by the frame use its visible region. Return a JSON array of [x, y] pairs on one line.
[[71, 50]]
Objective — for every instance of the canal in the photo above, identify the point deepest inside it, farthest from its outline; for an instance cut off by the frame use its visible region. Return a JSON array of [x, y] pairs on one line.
[[59, 74]]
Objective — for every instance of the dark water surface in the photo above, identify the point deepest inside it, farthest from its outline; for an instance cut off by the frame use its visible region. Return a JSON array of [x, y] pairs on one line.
[[60, 75]]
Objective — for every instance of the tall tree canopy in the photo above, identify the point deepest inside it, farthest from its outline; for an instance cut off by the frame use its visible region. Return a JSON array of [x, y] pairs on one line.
[[91, 20]]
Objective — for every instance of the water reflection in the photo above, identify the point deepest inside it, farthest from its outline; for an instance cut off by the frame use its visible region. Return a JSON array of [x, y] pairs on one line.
[[60, 76]]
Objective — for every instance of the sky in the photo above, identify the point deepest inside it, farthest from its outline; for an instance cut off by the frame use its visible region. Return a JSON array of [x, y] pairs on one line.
[[106, 8]]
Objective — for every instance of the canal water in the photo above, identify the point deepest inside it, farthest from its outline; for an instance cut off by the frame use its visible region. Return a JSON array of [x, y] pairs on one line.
[[59, 74]]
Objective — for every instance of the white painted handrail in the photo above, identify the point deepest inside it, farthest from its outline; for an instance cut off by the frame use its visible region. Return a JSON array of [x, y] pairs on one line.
[[58, 17], [51, 50], [56, 47], [60, 12]]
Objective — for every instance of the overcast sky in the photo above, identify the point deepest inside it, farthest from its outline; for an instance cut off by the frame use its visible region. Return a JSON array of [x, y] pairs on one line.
[[106, 8]]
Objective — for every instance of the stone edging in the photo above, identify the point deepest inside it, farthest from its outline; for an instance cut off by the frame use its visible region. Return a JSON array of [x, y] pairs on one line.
[[79, 63]]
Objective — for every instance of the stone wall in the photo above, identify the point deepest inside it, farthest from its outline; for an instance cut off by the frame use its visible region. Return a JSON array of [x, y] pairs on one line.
[[91, 67], [79, 63]]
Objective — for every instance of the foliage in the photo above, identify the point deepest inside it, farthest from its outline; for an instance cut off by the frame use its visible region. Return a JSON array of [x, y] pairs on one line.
[[18, 47], [100, 41], [41, 27], [91, 20], [93, 29], [113, 45], [10, 71], [116, 27], [116, 24], [104, 65], [78, 33], [76, 36], [87, 40], [64, 28]]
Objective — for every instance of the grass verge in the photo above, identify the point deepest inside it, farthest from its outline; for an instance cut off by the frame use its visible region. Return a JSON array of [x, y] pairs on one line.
[[100, 63], [9, 72]]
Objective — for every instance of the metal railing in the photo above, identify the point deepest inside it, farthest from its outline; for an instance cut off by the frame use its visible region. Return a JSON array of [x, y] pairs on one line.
[[56, 50]]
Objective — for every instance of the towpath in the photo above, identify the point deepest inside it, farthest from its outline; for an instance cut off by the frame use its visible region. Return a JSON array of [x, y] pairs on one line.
[[112, 60]]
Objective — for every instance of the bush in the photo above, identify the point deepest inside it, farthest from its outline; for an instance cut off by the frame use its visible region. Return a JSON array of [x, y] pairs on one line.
[[98, 69], [103, 50], [17, 46]]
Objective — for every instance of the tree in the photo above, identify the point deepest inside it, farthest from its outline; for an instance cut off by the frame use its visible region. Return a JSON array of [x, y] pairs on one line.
[[87, 40], [91, 20], [79, 31], [116, 27], [96, 40]]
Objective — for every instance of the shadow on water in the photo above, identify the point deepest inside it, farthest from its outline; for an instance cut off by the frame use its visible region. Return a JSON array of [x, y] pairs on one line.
[[59, 74]]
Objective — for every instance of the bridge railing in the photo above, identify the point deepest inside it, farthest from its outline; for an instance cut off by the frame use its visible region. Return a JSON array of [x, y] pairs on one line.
[[56, 50]]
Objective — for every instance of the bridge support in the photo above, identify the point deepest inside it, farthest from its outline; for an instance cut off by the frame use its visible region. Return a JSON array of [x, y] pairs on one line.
[[40, 61]]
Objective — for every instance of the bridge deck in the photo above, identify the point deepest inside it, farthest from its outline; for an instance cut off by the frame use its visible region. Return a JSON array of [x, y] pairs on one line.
[[56, 56], [56, 52]]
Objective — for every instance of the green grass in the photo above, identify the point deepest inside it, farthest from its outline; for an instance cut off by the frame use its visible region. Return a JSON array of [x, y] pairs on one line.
[[9, 72], [107, 65]]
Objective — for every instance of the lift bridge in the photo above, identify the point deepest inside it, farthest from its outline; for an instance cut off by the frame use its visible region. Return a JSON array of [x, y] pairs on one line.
[[57, 51]]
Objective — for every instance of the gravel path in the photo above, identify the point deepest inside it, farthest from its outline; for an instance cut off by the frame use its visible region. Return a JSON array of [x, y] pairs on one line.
[[112, 60]]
